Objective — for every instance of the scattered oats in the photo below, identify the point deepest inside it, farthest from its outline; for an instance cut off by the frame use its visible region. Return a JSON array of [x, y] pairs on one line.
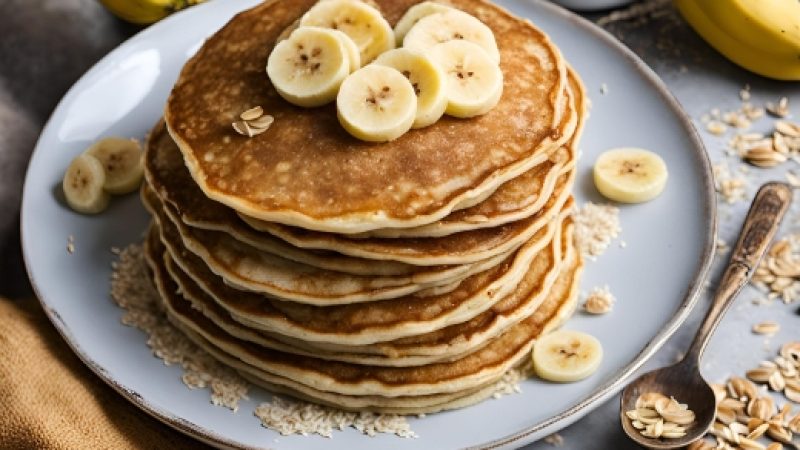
[[262, 123], [781, 109], [736, 119], [596, 226], [70, 244], [509, 383], [116, 250], [623, 244], [702, 444], [787, 128], [732, 189], [752, 112], [555, 439], [744, 94], [253, 122], [242, 128], [779, 271], [745, 413], [716, 128], [722, 247], [297, 417], [767, 327], [604, 89], [764, 157], [599, 301], [252, 113]]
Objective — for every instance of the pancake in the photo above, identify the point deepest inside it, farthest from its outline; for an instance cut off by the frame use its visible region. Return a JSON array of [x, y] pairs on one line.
[[517, 198], [245, 262], [471, 372], [248, 268], [307, 171], [552, 314], [459, 248], [167, 174], [446, 344], [366, 323]]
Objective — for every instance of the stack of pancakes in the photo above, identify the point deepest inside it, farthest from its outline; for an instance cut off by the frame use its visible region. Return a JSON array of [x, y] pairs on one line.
[[402, 277]]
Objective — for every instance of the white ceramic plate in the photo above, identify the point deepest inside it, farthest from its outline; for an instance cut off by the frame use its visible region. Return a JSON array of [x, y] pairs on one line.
[[669, 240]]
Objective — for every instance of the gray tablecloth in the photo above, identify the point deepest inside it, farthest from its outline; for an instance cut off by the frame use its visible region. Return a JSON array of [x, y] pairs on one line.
[[45, 45]]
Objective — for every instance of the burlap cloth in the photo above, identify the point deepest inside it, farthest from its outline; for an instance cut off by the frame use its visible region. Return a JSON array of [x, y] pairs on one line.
[[52, 401]]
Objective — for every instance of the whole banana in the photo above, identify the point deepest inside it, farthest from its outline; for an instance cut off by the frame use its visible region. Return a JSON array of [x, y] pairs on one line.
[[145, 12], [762, 36]]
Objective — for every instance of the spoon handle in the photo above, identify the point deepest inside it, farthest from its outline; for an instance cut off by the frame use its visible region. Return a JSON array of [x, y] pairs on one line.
[[760, 226]]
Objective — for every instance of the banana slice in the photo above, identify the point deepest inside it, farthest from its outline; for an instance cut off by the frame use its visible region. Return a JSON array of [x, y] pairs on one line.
[[426, 77], [630, 175], [308, 67], [474, 81], [364, 24], [377, 104], [352, 50], [83, 185], [565, 356], [122, 162], [448, 26], [413, 15]]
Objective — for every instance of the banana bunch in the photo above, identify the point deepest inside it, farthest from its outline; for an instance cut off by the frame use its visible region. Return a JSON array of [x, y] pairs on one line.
[[762, 36], [145, 12]]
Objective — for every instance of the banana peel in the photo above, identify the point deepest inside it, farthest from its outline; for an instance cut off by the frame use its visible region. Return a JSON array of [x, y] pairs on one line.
[[145, 12], [762, 36]]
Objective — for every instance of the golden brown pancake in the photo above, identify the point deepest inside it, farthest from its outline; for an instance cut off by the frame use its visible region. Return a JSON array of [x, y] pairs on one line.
[[515, 199], [422, 320], [307, 171], [370, 382]]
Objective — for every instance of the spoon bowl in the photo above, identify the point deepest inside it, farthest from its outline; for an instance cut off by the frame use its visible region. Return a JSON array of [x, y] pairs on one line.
[[683, 382]]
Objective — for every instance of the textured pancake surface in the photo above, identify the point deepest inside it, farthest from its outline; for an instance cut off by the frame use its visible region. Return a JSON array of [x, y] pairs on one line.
[[522, 278], [385, 384], [307, 171]]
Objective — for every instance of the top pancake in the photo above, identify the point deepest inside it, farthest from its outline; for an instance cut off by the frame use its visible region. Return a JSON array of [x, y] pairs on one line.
[[307, 171]]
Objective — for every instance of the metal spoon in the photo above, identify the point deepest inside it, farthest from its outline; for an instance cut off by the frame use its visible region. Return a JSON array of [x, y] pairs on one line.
[[683, 380]]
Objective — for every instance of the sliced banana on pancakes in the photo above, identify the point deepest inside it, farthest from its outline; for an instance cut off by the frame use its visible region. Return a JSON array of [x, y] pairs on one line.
[[83, 185], [122, 163], [474, 81], [630, 175], [565, 356], [450, 60], [351, 49], [413, 15], [364, 24], [452, 25], [377, 104], [308, 67], [427, 79]]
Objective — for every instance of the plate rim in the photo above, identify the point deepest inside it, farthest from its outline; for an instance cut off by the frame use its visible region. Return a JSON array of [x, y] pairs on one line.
[[594, 399]]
